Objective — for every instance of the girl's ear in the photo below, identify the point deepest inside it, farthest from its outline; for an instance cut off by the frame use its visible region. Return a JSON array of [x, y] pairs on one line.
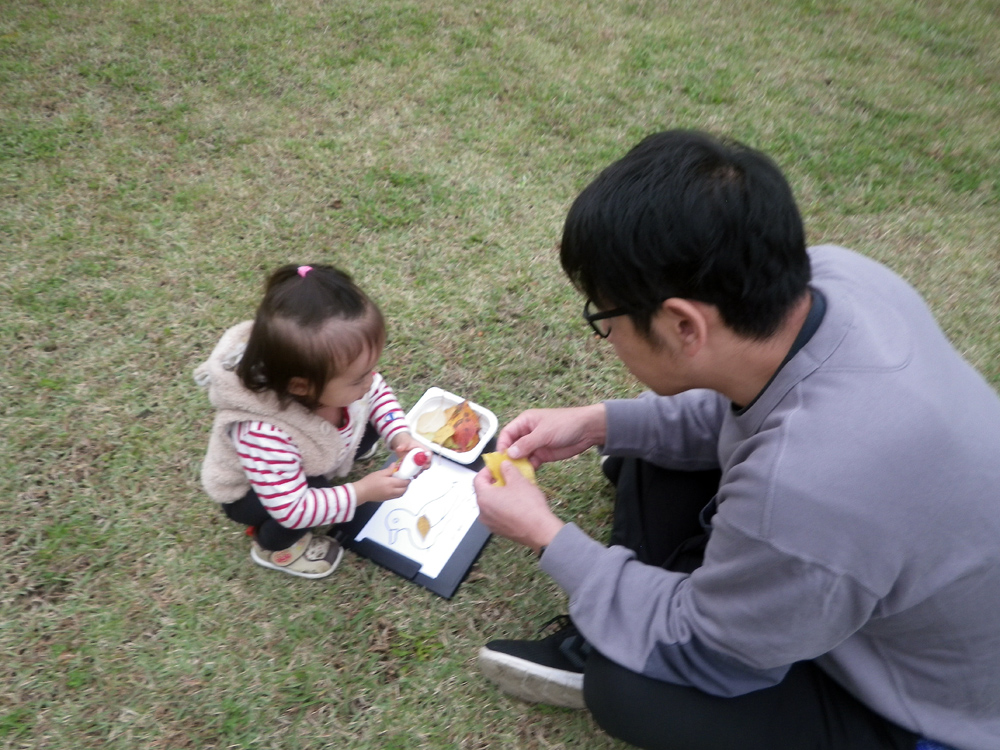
[[298, 386]]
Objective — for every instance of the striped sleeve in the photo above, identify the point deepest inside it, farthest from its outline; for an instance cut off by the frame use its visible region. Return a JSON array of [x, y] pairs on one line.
[[386, 413], [273, 464]]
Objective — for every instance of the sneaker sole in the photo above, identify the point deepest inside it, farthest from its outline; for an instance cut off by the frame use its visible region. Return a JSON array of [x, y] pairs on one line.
[[532, 682], [368, 453], [266, 564]]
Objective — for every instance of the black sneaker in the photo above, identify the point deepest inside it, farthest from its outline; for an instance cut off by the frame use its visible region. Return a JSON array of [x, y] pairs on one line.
[[369, 452], [611, 466], [549, 670]]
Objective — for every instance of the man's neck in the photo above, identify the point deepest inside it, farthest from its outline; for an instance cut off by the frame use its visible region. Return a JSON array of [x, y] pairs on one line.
[[746, 366]]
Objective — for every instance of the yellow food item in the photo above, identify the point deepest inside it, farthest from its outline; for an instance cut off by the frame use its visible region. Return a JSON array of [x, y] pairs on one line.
[[523, 465], [423, 526], [441, 436]]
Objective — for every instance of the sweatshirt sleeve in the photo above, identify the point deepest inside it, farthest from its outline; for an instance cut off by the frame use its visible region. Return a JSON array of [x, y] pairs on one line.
[[733, 626], [676, 432]]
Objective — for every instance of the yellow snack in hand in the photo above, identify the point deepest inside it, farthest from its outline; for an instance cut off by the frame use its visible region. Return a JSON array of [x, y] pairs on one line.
[[493, 461]]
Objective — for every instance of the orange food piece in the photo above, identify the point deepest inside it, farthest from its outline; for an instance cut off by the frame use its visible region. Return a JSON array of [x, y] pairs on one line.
[[423, 526], [465, 424]]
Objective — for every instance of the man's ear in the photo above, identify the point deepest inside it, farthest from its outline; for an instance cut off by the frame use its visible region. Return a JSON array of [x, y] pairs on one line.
[[298, 386], [687, 323]]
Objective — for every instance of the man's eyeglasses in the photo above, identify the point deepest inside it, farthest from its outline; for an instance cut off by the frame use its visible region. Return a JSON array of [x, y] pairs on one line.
[[601, 329]]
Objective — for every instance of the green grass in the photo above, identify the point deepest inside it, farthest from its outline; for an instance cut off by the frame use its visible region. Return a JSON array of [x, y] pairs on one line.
[[158, 158]]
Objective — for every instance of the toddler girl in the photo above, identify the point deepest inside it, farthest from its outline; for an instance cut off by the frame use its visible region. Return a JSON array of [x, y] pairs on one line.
[[297, 401]]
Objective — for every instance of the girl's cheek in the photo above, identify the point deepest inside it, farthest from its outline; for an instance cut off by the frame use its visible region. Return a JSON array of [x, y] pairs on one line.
[[364, 388]]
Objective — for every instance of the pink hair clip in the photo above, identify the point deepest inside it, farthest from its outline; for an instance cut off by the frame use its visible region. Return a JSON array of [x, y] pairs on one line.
[[303, 270]]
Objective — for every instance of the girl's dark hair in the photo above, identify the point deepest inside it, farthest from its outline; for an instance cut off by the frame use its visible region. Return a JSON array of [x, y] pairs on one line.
[[686, 215], [311, 324]]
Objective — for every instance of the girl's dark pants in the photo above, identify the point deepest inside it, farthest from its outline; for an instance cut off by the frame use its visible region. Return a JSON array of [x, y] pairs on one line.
[[270, 534], [659, 515]]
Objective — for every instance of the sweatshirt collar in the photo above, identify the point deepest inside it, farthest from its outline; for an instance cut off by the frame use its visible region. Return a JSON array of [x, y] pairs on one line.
[[803, 360]]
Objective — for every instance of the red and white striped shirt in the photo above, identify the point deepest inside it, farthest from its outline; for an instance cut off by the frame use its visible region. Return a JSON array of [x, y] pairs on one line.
[[273, 464]]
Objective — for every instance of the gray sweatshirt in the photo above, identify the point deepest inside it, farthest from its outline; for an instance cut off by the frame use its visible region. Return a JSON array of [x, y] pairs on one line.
[[858, 523]]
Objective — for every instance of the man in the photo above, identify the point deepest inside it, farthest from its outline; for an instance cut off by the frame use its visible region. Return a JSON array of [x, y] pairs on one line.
[[806, 541]]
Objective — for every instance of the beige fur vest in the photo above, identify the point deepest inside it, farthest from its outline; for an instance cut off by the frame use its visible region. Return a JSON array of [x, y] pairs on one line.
[[324, 451]]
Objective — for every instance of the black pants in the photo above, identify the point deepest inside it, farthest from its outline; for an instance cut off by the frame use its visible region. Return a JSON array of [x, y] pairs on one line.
[[270, 534], [663, 515]]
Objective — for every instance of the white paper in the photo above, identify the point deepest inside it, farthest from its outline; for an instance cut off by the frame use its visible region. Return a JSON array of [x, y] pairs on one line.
[[443, 496]]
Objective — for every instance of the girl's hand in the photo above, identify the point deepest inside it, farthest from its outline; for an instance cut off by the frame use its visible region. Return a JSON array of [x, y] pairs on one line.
[[380, 485], [403, 443]]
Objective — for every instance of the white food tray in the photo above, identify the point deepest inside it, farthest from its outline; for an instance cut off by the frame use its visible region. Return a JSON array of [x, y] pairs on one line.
[[435, 398]]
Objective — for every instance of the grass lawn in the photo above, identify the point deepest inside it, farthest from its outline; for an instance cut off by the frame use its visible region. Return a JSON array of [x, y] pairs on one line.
[[157, 159]]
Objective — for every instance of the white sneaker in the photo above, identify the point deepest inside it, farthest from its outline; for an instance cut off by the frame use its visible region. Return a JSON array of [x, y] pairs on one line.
[[310, 557]]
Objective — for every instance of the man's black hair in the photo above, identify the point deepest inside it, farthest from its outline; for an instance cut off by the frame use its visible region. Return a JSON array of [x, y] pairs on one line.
[[686, 215]]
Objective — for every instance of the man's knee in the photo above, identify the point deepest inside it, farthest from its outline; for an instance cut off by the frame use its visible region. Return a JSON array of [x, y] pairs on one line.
[[657, 715], [623, 707], [601, 696]]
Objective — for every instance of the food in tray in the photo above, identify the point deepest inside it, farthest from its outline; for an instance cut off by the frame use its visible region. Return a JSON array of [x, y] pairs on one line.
[[455, 427], [523, 465]]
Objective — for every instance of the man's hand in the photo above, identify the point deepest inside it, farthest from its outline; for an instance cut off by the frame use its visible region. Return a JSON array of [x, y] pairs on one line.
[[544, 435], [518, 511]]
